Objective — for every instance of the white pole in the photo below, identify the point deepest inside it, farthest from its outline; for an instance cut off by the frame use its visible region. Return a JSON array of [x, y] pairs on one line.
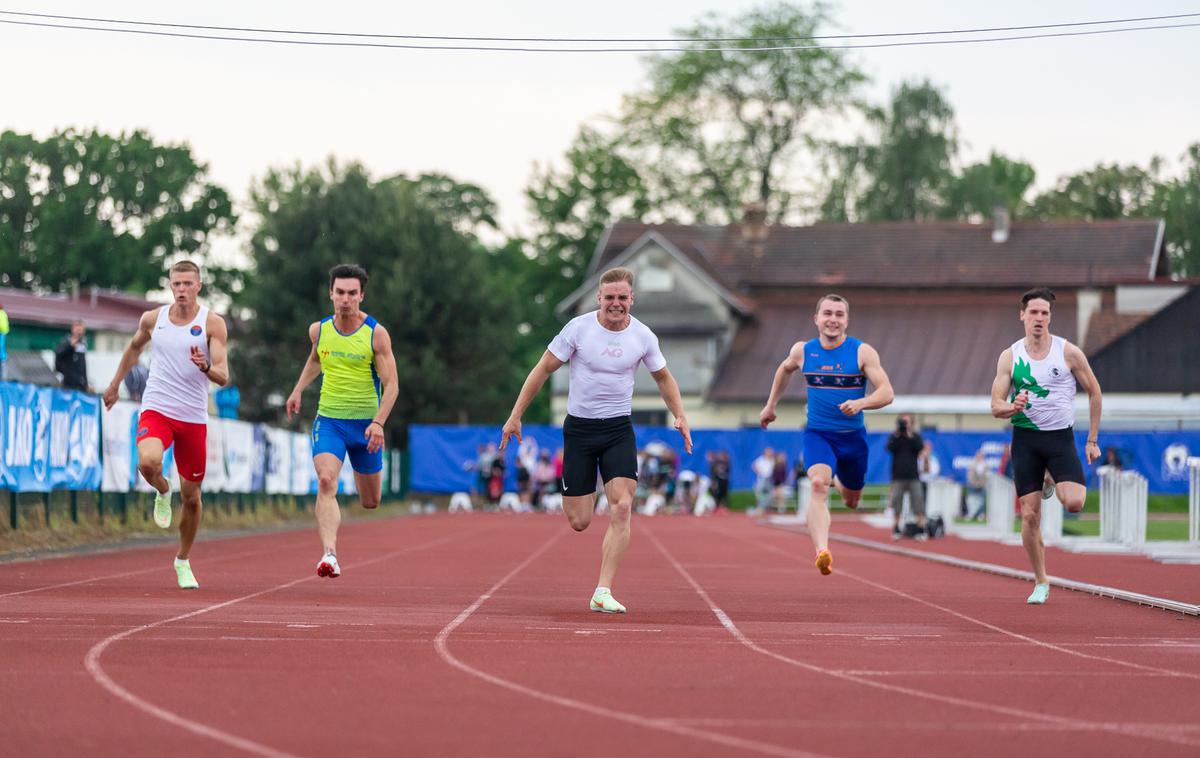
[[1194, 501]]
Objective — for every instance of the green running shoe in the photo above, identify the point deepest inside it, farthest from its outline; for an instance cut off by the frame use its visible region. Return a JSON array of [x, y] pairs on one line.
[[1040, 593], [183, 571], [162, 508], [604, 602]]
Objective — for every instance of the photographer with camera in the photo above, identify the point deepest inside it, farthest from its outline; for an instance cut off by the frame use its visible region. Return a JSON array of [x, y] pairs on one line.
[[905, 445]]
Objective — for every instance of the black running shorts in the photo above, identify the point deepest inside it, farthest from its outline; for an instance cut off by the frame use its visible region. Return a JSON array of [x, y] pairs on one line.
[[1034, 452], [604, 444]]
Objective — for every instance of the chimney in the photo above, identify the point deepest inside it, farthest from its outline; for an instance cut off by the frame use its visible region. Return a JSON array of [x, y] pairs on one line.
[[999, 224], [754, 227]]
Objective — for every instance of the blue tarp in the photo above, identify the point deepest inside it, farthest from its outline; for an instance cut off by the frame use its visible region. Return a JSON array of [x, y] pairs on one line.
[[50, 439], [443, 457]]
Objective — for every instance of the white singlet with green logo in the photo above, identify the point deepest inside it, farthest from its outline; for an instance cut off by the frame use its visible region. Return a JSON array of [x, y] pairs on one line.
[[1050, 384]]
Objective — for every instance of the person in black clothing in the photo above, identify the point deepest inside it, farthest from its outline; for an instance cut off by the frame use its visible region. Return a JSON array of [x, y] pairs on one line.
[[70, 359], [718, 474], [905, 445]]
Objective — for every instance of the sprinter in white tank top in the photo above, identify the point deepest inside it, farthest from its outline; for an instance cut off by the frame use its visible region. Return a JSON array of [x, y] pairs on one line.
[[1035, 389], [604, 348], [187, 352]]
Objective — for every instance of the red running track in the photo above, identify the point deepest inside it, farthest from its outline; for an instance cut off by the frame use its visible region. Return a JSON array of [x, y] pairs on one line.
[[469, 636]]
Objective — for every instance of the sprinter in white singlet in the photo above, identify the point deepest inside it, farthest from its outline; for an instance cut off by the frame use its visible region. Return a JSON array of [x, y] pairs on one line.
[[1035, 389], [604, 348], [187, 351]]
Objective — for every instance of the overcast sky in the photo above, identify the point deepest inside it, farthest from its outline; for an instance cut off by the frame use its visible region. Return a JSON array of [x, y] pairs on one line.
[[1061, 104]]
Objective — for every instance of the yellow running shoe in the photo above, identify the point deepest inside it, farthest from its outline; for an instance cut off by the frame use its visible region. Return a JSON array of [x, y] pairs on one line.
[[825, 562], [183, 572], [604, 602], [162, 508]]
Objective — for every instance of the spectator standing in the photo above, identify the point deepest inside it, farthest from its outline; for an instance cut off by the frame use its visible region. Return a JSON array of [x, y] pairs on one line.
[[779, 482], [976, 482], [70, 358], [906, 445], [930, 467], [135, 381], [718, 472]]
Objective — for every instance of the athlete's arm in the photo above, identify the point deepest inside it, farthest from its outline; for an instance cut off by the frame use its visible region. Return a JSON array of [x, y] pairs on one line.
[[1002, 386], [669, 389], [881, 395], [130, 356], [311, 370], [783, 375], [533, 384], [385, 366], [1078, 363], [216, 365]]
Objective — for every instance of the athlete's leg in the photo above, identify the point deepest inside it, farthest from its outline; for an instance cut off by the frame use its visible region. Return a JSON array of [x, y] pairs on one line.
[[328, 467], [1031, 534], [821, 476], [579, 509], [616, 540], [370, 489], [150, 463], [189, 516], [1072, 495]]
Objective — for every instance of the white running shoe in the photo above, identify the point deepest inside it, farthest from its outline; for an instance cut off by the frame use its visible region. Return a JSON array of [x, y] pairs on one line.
[[328, 566]]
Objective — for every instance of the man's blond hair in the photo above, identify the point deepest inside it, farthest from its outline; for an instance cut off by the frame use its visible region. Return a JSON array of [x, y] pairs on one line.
[[835, 298], [185, 265], [617, 275]]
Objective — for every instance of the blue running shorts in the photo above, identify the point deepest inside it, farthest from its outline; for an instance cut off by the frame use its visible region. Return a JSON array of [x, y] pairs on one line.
[[844, 452], [346, 436]]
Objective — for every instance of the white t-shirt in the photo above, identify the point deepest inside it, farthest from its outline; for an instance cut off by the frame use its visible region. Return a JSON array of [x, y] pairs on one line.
[[603, 364]]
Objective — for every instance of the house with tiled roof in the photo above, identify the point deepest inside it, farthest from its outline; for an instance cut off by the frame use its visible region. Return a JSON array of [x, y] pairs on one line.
[[938, 300]]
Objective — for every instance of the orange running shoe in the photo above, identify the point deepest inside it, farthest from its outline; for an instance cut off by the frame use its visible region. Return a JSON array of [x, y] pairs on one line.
[[825, 562]]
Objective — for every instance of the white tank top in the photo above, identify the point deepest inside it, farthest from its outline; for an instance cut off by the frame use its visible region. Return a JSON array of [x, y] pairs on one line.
[[1050, 384], [604, 364], [177, 388]]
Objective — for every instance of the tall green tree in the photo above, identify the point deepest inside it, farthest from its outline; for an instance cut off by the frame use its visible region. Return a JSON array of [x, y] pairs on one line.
[[723, 124], [452, 331], [1106, 191], [906, 171], [87, 208], [1179, 203], [975, 192]]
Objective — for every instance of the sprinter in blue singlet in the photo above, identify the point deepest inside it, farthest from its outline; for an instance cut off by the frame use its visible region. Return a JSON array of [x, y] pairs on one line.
[[837, 369]]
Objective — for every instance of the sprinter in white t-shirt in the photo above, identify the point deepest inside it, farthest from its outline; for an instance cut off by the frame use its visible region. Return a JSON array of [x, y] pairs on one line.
[[604, 348], [1035, 390], [187, 351]]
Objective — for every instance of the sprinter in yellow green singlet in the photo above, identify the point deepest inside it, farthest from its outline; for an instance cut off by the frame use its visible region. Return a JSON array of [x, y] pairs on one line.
[[353, 353]]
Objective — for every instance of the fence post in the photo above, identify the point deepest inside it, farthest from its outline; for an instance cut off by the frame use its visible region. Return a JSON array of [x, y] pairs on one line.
[[1194, 501], [12, 509], [74, 507], [46, 506]]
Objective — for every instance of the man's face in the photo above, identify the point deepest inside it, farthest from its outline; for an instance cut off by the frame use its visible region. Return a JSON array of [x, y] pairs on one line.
[[185, 286], [615, 298], [1036, 317], [77, 331], [832, 318], [347, 295]]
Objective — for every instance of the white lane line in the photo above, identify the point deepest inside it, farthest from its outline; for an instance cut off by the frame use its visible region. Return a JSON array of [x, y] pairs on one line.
[[1026, 638], [92, 661], [577, 630], [164, 567], [665, 725], [931, 725], [1066, 722]]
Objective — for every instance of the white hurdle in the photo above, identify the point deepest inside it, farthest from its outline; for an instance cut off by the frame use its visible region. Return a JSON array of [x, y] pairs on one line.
[[943, 500], [1000, 497]]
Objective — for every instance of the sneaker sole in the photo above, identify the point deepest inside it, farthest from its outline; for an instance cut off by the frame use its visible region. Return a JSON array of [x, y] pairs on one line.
[[326, 570], [825, 564], [598, 609]]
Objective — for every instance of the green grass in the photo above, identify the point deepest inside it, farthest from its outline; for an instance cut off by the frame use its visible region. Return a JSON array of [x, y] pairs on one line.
[[874, 498], [1154, 503]]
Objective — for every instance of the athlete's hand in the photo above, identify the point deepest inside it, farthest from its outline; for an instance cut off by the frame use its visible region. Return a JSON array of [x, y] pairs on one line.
[[109, 397], [1020, 401], [681, 425], [293, 403], [852, 407], [512, 428], [374, 437], [1092, 451], [199, 358], [766, 417]]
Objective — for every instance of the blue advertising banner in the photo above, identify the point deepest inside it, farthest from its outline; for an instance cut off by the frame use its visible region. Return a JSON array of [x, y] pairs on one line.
[[50, 439], [445, 458]]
